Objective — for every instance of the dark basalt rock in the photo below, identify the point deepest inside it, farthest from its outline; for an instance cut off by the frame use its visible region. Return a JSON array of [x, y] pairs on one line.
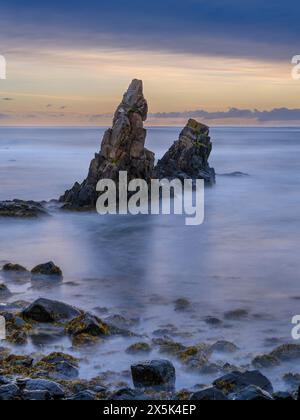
[[265, 361], [236, 315], [139, 348], [236, 381], [188, 157], [209, 394], [287, 352], [87, 324], [252, 393], [83, 396], [4, 292], [54, 390], [36, 395], [9, 392], [45, 310], [45, 270], [22, 209], [283, 396], [125, 394], [224, 347], [14, 268], [156, 374], [122, 149]]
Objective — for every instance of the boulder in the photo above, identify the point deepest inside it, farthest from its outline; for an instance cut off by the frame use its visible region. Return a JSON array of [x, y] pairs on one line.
[[287, 352], [236, 315], [9, 392], [188, 157], [54, 390], [283, 396], [265, 361], [4, 292], [224, 347], [156, 374], [21, 209], [47, 269], [235, 381], [209, 394], [14, 268], [139, 348], [37, 395], [87, 324], [83, 396], [45, 310], [252, 393], [122, 149]]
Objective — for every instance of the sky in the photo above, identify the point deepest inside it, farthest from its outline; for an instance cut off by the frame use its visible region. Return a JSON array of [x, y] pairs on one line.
[[222, 61]]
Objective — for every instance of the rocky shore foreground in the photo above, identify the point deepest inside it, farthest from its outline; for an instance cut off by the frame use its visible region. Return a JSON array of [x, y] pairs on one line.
[[38, 375]]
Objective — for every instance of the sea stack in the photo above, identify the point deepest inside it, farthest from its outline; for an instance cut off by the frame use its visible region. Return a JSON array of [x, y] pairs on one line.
[[122, 149], [188, 157]]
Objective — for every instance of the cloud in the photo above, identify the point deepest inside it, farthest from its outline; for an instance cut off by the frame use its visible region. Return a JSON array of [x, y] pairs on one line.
[[248, 28], [275, 115]]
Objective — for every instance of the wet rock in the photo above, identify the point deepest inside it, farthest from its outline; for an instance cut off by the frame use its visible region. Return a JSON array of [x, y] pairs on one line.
[[157, 374], [87, 324], [22, 209], [4, 292], [265, 361], [18, 338], [9, 392], [292, 379], [224, 347], [169, 347], [45, 270], [188, 157], [14, 307], [236, 174], [252, 393], [14, 268], [139, 348], [236, 315], [45, 310], [122, 149], [125, 394], [14, 360], [54, 389], [283, 396], [209, 394], [37, 395], [83, 396], [287, 352], [120, 321], [182, 305], [235, 381], [212, 321], [54, 358], [59, 366]]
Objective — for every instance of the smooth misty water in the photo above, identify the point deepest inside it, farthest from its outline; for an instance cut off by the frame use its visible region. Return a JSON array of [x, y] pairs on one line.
[[245, 256]]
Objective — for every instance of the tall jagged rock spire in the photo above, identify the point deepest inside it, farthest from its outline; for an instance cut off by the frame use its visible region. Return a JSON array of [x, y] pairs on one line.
[[122, 149], [188, 156]]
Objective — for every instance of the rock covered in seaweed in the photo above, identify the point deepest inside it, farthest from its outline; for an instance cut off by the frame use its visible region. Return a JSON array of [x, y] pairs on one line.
[[122, 149], [22, 209], [188, 157]]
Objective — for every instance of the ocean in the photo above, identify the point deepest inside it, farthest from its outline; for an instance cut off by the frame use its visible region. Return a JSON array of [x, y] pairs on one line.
[[245, 255]]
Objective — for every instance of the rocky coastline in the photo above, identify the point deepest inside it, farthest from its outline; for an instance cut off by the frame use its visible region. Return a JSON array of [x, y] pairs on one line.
[[39, 375]]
